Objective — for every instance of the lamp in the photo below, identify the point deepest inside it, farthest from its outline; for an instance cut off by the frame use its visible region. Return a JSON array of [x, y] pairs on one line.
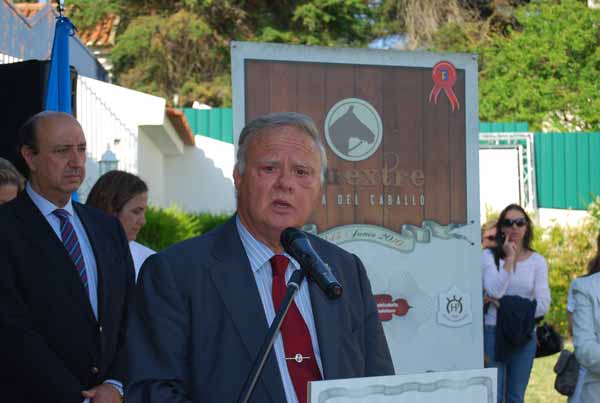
[[109, 161]]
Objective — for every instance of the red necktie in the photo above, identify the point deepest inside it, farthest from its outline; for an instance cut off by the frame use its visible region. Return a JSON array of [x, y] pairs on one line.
[[299, 355]]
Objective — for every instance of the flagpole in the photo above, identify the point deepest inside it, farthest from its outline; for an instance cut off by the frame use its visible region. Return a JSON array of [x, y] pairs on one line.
[[60, 7]]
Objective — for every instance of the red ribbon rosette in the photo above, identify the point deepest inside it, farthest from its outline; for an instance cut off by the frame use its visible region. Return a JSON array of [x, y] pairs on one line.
[[444, 77]]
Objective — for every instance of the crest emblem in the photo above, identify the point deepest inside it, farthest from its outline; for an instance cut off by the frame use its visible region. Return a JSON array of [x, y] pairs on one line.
[[454, 308]]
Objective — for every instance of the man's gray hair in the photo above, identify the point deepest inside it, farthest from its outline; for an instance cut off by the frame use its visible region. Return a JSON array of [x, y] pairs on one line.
[[280, 119]]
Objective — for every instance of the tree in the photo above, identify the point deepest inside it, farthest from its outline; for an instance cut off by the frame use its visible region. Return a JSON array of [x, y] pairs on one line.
[[182, 47], [420, 20], [545, 72], [167, 55], [87, 13]]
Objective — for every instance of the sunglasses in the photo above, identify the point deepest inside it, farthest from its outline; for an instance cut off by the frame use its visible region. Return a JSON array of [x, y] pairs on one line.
[[519, 222], [491, 237]]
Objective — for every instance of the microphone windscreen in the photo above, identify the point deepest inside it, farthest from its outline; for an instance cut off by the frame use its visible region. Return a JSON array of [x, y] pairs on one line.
[[289, 235]]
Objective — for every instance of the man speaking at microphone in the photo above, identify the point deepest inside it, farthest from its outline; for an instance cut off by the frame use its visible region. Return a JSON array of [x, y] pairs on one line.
[[203, 307]]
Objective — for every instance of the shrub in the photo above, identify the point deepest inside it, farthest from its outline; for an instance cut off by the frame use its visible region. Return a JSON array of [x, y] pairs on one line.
[[567, 251], [166, 226]]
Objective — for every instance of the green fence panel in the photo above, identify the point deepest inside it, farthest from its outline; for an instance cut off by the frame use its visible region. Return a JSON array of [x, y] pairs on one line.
[[215, 128], [191, 117], [594, 158], [583, 170], [227, 122], [216, 123], [571, 199], [558, 182], [543, 162], [567, 169], [203, 123]]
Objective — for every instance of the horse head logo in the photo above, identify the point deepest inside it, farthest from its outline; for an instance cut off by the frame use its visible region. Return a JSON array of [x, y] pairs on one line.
[[348, 126], [353, 129]]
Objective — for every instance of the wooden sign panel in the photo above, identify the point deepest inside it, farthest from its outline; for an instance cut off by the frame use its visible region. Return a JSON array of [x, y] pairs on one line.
[[419, 170], [400, 130]]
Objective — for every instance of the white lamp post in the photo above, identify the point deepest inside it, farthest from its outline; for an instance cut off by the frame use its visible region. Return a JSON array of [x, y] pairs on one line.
[[109, 161]]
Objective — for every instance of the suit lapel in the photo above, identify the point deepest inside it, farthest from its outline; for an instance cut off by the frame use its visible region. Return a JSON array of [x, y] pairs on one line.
[[38, 230], [326, 313], [235, 282], [101, 253]]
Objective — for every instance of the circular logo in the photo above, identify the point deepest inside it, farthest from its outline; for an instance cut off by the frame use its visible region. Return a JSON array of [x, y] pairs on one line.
[[353, 129]]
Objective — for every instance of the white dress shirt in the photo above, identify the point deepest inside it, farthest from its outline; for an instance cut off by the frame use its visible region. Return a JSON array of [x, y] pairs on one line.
[[259, 256]]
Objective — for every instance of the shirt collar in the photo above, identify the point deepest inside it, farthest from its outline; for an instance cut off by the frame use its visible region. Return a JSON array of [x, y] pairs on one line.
[[45, 205], [258, 253]]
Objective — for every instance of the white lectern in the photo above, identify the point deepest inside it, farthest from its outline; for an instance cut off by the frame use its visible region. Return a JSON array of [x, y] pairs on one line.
[[468, 386]]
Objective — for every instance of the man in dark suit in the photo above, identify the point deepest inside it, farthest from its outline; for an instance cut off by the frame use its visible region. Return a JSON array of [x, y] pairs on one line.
[[203, 307], [65, 277]]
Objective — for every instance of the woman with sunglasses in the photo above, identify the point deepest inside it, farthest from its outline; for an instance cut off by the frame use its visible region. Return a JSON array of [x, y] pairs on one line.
[[513, 269]]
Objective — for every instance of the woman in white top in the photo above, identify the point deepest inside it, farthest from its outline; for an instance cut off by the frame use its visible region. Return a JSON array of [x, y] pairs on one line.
[[125, 196], [513, 268], [586, 328], [576, 396]]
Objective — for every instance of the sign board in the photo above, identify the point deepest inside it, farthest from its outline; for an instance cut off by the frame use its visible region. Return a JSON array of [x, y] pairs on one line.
[[471, 386], [401, 190]]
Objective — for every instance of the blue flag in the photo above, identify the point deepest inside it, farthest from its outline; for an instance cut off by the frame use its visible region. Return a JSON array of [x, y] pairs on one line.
[[58, 95], [58, 92]]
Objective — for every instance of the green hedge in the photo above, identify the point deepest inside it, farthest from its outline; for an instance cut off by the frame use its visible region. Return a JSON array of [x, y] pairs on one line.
[[164, 227]]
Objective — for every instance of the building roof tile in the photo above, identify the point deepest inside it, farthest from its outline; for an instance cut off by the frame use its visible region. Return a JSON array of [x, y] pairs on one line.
[[100, 35], [179, 121], [29, 10]]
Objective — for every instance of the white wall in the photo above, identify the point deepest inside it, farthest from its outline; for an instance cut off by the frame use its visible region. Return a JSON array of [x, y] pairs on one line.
[[196, 182], [110, 116], [152, 169], [220, 152]]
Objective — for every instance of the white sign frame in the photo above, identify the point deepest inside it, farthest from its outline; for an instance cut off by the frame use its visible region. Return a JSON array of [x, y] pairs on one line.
[[439, 342], [471, 386]]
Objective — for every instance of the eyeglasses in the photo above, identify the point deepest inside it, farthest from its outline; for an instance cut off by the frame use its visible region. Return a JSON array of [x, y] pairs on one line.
[[519, 222], [491, 237]]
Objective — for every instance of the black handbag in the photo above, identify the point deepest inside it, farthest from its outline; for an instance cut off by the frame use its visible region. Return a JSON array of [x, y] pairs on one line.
[[567, 372], [549, 341]]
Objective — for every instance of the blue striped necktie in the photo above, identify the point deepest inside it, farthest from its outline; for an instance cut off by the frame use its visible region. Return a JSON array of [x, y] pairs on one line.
[[69, 239]]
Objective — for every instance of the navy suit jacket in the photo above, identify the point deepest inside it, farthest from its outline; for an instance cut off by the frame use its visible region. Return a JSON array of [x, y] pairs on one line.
[[197, 323], [51, 344]]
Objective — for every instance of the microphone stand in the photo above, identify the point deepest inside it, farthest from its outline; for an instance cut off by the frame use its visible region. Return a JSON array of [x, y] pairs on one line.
[[257, 367]]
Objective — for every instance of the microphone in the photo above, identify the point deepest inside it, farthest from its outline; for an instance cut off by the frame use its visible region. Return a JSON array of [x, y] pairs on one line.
[[296, 243]]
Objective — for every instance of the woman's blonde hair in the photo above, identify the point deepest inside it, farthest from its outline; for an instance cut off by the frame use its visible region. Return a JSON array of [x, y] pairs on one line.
[[10, 176]]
